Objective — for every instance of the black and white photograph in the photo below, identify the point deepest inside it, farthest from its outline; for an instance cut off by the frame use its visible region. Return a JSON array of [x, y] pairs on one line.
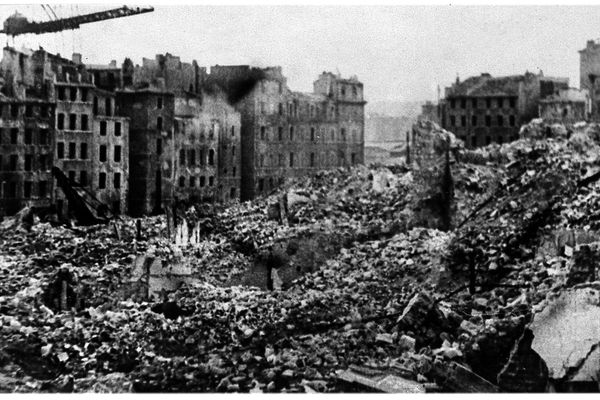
[[277, 198]]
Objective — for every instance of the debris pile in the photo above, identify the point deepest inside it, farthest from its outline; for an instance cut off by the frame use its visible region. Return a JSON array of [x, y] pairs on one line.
[[370, 298]]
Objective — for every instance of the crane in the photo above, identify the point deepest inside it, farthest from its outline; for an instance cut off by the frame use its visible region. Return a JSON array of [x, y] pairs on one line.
[[18, 24]]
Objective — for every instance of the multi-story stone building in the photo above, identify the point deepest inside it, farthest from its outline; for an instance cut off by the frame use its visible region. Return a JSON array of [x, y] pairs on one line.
[[196, 154], [26, 142], [151, 114], [289, 134], [110, 152], [77, 124], [483, 109]]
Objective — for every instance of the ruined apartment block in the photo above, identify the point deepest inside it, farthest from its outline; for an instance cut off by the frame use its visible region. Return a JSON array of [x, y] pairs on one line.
[[289, 134], [483, 109], [74, 135], [25, 153], [151, 114], [203, 158], [110, 153], [74, 119]]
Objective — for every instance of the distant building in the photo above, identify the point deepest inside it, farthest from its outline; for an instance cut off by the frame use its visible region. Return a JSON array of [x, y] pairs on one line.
[[589, 75], [567, 106], [483, 109], [176, 76], [291, 134], [429, 112]]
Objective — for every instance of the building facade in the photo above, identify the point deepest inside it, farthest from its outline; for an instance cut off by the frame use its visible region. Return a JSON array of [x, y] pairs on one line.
[[26, 143], [484, 109], [151, 114], [288, 134], [69, 115]]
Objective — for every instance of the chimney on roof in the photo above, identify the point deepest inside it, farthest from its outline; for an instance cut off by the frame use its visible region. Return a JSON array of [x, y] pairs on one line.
[[457, 79], [76, 58]]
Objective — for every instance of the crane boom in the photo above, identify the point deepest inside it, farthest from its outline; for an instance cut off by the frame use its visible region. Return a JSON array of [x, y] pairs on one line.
[[18, 24]]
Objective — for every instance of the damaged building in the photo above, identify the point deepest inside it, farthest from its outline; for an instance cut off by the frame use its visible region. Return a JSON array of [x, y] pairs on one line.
[[25, 152], [288, 134], [69, 126], [138, 137], [484, 109], [185, 139], [567, 106]]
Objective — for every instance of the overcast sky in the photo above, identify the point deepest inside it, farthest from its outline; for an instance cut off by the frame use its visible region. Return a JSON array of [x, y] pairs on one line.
[[399, 53]]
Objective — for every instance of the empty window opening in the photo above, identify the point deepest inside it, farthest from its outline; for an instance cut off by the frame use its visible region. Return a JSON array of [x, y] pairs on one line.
[[72, 150], [42, 188], [102, 180], [28, 136], [108, 107], [28, 162], [72, 121], [211, 157], [27, 185], [84, 122], [182, 157], [83, 178]]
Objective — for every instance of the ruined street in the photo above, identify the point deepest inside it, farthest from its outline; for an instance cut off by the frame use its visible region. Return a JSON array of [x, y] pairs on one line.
[[345, 281]]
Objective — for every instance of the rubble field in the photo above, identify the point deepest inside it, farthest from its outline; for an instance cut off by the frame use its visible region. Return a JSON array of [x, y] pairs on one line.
[[352, 280]]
